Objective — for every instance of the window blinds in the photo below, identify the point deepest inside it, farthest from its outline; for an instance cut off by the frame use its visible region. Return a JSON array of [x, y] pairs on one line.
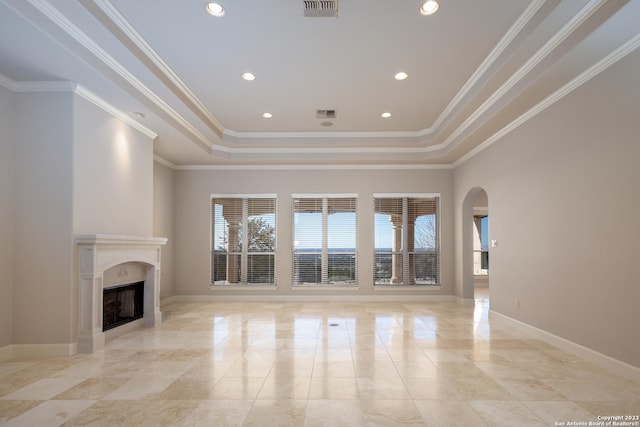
[[407, 249], [243, 240], [325, 240]]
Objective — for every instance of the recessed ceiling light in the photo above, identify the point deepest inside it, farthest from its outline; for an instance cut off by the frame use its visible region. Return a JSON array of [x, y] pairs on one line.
[[267, 115], [248, 76], [214, 9], [429, 7], [401, 75], [386, 115], [139, 114]]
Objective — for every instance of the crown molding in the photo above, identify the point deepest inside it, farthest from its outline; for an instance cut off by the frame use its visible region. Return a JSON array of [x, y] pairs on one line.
[[615, 56], [316, 167], [133, 36], [164, 161], [63, 23], [327, 134], [569, 28], [7, 83], [532, 9], [118, 114], [71, 87]]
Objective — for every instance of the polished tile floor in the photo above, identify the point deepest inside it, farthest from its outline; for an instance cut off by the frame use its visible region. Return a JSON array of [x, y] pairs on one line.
[[316, 364]]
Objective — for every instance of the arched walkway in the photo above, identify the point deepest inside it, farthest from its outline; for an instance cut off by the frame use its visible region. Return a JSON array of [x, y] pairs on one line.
[[474, 206]]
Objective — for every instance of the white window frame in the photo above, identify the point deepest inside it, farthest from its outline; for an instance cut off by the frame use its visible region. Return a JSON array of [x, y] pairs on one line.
[[244, 254], [405, 250], [325, 240]]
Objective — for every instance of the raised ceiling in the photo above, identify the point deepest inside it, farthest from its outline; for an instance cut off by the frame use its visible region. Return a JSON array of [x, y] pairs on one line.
[[477, 69]]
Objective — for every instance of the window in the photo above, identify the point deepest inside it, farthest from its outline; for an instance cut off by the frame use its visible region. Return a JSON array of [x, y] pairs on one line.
[[481, 245], [324, 240], [407, 241], [243, 236]]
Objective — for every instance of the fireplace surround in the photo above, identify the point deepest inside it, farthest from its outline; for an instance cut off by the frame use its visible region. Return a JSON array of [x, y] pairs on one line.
[[106, 261]]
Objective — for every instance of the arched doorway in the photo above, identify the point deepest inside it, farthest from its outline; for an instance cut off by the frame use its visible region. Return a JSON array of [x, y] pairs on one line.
[[475, 244]]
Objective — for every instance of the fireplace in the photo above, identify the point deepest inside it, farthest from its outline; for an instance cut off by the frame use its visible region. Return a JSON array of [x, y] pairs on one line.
[[108, 262], [121, 305]]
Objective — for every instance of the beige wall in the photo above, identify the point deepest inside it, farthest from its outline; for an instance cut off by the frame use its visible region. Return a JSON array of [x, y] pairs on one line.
[[74, 164], [163, 207], [564, 201], [192, 219], [7, 161], [113, 175], [43, 225]]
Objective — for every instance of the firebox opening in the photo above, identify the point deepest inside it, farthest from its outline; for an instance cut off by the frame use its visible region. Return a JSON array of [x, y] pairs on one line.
[[122, 304]]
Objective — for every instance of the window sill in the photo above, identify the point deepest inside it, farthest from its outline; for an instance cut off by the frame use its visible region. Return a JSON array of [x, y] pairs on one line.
[[325, 287], [244, 287], [407, 287]]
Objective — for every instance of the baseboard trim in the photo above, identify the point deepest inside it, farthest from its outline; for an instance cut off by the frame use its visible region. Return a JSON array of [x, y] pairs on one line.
[[307, 298], [40, 351], [6, 352], [607, 362]]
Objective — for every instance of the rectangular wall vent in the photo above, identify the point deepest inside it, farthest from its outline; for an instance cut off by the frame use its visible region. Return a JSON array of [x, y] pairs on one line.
[[320, 8], [326, 114]]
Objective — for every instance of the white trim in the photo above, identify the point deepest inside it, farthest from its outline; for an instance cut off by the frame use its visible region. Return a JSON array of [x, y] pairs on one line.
[[243, 288], [6, 353], [67, 86], [327, 134], [307, 298], [392, 288], [117, 239], [395, 195], [316, 167], [325, 195], [569, 28], [56, 17], [614, 365], [163, 161], [621, 52], [498, 50], [7, 83], [244, 196], [39, 351], [121, 22], [110, 109], [324, 288]]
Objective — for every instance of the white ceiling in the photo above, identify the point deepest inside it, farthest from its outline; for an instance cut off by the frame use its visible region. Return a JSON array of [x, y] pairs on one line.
[[476, 70]]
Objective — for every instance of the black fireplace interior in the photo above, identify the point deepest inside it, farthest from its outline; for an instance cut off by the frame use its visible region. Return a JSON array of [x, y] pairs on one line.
[[122, 304]]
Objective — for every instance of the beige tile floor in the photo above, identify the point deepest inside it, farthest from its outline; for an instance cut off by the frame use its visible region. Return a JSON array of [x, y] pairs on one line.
[[316, 364]]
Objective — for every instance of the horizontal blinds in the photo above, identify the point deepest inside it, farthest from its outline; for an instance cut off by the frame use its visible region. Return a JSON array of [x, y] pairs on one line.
[[243, 240], [324, 240], [407, 239]]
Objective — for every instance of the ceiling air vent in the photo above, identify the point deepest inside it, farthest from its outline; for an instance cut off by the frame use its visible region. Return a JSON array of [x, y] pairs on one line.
[[320, 8], [325, 114]]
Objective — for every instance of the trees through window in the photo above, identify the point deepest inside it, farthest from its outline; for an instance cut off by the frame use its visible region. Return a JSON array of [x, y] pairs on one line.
[[243, 240]]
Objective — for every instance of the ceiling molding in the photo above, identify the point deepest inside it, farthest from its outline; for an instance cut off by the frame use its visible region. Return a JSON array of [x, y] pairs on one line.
[[118, 114], [315, 167], [615, 56], [134, 37], [64, 86], [326, 134], [61, 21], [532, 9], [164, 161], [569, 28]]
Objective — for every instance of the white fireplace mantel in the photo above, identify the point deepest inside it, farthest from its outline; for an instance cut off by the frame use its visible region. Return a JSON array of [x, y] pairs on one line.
[[100, 252]]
